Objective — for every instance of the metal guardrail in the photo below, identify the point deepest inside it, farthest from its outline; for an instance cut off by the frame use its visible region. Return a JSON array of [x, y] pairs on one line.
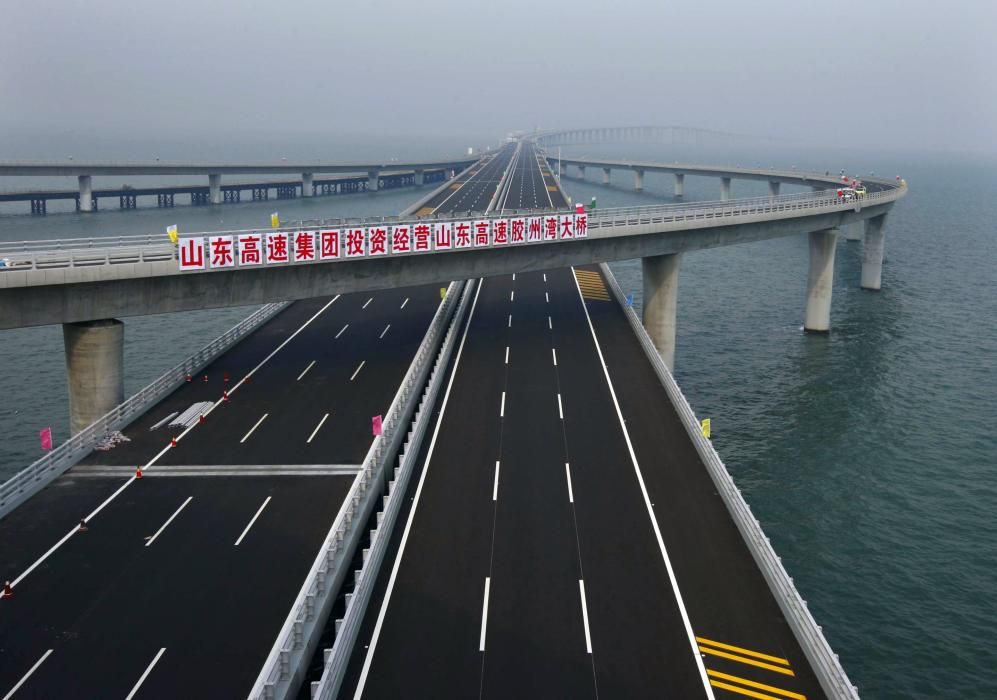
[[43, 471], [299, 636], [348, 629], [31, 255], [823, 660]]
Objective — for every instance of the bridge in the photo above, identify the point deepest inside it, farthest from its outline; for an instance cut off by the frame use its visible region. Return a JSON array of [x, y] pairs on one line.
[[365, 176], [535, 350]]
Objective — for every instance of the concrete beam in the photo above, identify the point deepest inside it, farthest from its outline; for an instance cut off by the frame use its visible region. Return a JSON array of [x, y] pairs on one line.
[[820, 281], [661, 288], [679, 184], [215, 188], [724, 189], [94, 369], [853, 232], [307, 184], [774, 188], [872, 258], [86, 193], [372, 177], [605, 175], [638, 180]]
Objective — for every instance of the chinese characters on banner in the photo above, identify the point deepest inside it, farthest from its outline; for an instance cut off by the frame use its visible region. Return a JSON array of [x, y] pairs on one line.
[[281, 247]]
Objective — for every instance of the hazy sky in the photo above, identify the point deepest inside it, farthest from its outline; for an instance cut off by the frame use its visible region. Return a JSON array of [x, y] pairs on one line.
[[895, 73]]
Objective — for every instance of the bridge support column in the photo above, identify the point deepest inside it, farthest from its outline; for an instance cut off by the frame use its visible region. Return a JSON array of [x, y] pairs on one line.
[[872, 259], [639, 180], [679, 184], [605, 175], [820, 281], [372, 177], [86, 193], [307, 184], [853, 232], [581, 172], [420, 178], [215, 188], [774, 188], [661, 288], [724, 189], [94, 369]]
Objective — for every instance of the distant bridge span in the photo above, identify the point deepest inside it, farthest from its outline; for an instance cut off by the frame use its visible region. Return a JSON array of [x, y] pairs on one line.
[[673, 135]]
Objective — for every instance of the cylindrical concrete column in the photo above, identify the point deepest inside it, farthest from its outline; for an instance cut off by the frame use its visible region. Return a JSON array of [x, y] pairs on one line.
[[307, 184], [820, 281], [372, 178], [94, 369], [724, 189], [679, 184], [215, 188], [420, 178], [86, 193], [661, 289], [605, 175], [639, 180], [774, 188], [581, 172], [872, 258]]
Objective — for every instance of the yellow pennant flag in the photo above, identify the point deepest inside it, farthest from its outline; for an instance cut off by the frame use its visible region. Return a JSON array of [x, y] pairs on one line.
[[705, 427], [171, 231], [274, 220], [443, 292]]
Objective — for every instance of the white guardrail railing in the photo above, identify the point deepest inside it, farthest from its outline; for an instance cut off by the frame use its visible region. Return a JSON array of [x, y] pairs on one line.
[[89, 252], [285, 666], [823, 660], [33, 478]]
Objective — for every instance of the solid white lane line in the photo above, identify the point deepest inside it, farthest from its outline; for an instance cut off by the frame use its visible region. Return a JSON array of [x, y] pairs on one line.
[[547, 297], [385, 330], [145, 675], [502, 408], [510, 320], [386, 599], [484, 614], [550, 324], [554, 353], [647, 502], [358, 370], [403, 303], [495, 487], [507, 354], [342, 330], [513, 276], [253, 520], [585, 617], [168, 521], [571, 493], [545, 277], [27, 675], [560, 409], [310, 365], [512, 295], [255, 426], [310, 437], [367, 304]]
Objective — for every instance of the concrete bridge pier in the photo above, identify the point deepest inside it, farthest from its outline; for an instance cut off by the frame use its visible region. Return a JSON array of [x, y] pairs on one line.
[[820, 280], [724, 189], [86, 193], [581, 172], [215, 188], [420, 178], [605, 175], [639, 180], [853, 232], [94, 369], [661, 288], [372, 177], [872, 259], [679, 184], [307, 184], [774, 188]]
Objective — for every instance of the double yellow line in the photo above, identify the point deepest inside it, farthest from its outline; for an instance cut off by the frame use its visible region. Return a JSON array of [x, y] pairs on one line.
[[748, 657]]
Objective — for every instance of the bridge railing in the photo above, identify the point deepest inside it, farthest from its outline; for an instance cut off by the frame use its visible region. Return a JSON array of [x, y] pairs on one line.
[[808, 633], [300, 633], [55, 462]]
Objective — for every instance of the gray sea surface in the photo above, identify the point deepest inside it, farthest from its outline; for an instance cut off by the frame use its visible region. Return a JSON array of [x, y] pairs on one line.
[[868, 454]]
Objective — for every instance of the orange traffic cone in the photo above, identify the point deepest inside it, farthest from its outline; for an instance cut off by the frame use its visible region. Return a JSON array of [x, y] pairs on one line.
[[83, 525], [189, 378], [138, 472], [173, 442], [201, 418], [8, 591], [205, 377], [225, 396], [226, 377]]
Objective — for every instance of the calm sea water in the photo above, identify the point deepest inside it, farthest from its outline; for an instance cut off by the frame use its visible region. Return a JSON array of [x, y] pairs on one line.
[[869, 454]]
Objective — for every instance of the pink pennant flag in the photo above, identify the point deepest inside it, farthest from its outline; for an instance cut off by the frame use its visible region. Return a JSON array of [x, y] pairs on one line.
[[376, 420], [46, 438]]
